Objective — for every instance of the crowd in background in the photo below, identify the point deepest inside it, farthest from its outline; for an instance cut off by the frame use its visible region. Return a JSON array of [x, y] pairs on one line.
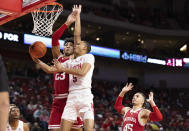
[[31, 90], [164, 17], [128, 11]]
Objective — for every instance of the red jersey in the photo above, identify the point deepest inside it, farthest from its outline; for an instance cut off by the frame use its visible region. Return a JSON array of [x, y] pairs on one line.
[[131, 121], [61, 80]]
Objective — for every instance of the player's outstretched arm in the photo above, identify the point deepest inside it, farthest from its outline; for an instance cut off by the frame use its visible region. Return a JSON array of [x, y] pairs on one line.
[[118, 104], [46, 68], [77, 32], [56, 35], [4, 96], [79, 72], [4, 109], [156, 114]]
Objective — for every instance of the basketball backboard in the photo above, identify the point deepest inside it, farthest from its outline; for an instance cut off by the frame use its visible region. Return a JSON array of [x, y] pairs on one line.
[[12, 9]]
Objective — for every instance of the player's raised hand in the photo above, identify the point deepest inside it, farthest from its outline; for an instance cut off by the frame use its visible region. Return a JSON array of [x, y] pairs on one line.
[[127, 87], [151, 97], [58, 65], [77, 8], [71, 18]]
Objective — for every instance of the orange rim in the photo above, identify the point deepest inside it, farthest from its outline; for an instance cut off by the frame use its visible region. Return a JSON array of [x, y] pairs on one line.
[[53, 3]]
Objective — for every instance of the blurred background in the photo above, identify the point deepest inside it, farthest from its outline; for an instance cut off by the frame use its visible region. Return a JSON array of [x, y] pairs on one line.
[[139, 41]]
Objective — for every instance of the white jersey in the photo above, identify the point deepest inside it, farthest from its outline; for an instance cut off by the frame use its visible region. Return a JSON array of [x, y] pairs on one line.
[[19, 128], [80, 82]]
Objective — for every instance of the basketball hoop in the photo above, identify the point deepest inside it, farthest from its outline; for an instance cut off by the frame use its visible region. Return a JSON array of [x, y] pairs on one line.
[[45, 17]]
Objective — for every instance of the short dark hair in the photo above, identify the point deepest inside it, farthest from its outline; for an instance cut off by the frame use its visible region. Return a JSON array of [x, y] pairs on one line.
[[88, 46], [70, 39]]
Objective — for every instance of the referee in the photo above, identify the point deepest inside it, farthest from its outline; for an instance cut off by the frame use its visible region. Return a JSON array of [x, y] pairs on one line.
[[4, 96]]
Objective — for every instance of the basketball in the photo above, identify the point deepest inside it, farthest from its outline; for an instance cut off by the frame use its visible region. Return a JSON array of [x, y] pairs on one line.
[[37, 49]]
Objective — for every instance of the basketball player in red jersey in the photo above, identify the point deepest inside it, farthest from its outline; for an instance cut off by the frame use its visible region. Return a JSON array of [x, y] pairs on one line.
[[136, 117], [61, 79]]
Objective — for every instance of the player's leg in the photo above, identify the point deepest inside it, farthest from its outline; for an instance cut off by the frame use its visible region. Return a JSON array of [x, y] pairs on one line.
[[69, 116], [89, 124], [87, 111], [4, 110], [54, 130], [56, 113], [77, 126], [88, 117], [80, 129], [54, 122], [66, 125]]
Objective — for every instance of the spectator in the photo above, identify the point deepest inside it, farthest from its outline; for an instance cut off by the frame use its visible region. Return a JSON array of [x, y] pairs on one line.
[[37, 113], [36, 127], [44, 119]]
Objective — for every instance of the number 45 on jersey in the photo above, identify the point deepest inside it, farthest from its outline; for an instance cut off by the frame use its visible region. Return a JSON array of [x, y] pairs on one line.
[[128, 127]]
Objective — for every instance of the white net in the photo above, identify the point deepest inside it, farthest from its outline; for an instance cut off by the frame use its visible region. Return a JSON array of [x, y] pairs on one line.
[[44, 19]]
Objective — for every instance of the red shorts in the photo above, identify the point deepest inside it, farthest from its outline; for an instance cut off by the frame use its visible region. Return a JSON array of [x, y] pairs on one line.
[[56, 113]]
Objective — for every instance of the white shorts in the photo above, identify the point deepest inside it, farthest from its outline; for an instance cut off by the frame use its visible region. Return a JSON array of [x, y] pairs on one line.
[[79, 104]]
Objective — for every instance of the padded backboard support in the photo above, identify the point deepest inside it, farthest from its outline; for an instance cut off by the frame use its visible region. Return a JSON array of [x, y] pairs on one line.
[[11, 6], [11, 14]]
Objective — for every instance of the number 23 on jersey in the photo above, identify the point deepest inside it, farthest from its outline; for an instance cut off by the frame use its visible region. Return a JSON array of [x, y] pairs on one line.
[[60, 76]]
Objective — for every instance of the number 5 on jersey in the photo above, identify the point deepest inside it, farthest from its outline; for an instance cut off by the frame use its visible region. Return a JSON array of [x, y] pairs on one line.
[[74, 79], [60, 76]]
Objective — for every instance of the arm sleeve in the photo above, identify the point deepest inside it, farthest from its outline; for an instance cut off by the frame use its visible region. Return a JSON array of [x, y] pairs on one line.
[[118, 104], [56, 35], [156, 114], [89, 59], [3, 77]]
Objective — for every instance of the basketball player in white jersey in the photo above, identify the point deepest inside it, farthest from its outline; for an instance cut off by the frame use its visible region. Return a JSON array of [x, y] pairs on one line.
[[80, 98], [14, 123]]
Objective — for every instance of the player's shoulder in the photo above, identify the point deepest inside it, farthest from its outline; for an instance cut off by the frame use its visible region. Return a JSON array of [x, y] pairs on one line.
[[62, 58], [88, 56], [145, 112], [25, 124], [26, 127], [125, 110], [21, 123]]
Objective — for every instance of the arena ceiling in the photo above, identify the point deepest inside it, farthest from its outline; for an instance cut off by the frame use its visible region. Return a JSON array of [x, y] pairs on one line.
[[104, 35]]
